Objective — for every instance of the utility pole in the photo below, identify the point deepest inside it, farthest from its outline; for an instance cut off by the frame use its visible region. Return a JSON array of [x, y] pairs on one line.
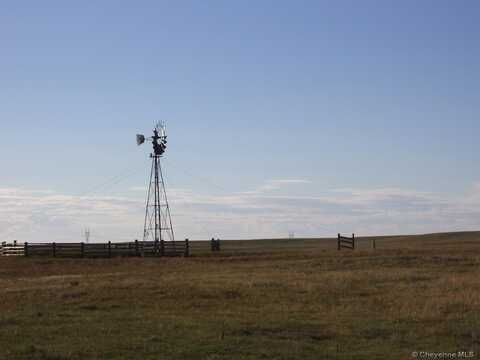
[[87, 235]]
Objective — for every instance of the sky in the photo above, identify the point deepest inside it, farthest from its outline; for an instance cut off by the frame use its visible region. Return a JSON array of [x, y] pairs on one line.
[[312, 117]]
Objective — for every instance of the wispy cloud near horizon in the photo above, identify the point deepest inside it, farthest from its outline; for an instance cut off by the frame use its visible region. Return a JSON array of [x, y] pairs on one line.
[[44, 215]]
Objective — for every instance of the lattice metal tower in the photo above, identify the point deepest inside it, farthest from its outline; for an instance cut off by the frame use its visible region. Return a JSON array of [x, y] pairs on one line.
[[158, 222]]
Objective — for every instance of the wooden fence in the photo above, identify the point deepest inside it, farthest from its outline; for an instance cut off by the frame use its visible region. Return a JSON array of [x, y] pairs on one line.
[[346, 242], [135, 248], [185, 247], [12, 249]]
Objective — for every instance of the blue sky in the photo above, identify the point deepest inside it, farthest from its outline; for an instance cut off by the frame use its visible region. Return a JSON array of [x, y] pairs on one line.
[[310, 116]]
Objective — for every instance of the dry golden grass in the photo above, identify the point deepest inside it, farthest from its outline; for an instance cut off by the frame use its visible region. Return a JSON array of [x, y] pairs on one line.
[[298, 299]]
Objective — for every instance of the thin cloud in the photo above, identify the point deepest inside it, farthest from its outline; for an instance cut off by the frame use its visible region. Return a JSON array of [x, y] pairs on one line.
[[277, 184], [48, 216], [138, 188]]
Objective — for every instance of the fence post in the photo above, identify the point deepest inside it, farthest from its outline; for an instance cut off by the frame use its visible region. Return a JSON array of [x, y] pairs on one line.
[[54, 249], [156, 248], [338, 242], [373, 244], [187, 248], [218, 244], [25, 249], [141, 246], [136, 248], [162, 247], [212, 244], [353, 241], [82, 249], [109, 249]]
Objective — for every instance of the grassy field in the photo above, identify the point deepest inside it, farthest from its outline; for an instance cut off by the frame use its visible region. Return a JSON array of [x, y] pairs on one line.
[[288, 299]]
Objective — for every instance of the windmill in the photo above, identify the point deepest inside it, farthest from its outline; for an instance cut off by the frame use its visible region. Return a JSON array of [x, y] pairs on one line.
[[158, 223]]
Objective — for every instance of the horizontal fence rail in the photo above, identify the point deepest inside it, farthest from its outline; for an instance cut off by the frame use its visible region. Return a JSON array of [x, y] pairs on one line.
[[110, 249], [346, 242], [13, 249], [136, 248]]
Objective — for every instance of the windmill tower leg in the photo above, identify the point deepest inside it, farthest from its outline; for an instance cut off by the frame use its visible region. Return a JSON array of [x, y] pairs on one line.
[[158, 223], [165, 218], [150, 215]]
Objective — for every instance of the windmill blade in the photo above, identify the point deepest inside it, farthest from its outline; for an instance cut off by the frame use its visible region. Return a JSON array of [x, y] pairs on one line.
[[161, 128]]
